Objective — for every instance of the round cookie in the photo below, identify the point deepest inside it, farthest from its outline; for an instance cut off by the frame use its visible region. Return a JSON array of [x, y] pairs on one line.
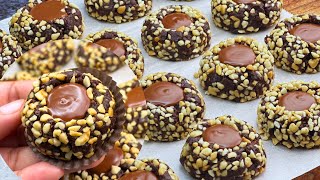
[[175, 106], [223, 148], [41, 21], [238, 69], [98, 57], [245, 16], [19, 76], [121, 49], [70, 118], [136, 108], [47, 57], [176, 33], [9, 51], [116, 161], [288, 114], [118, 11], [150, 169], [295, 44]]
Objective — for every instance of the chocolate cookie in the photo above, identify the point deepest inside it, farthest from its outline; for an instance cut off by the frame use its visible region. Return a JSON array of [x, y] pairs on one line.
[[238, 69], [295, 44], [223, 148], [98, 57], [176, 33], [175, 106], [118, 49], [245, 16], [41, 21], [150, 169], [118, 11], [9, 51], [288, 114], [116, 161], [71, 117], [47, 57], [136, 108]]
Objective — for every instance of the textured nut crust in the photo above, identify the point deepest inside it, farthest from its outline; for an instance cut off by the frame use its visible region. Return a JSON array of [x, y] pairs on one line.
[[30, 32], [118, 11], [20, 76], [236, 83], [133, 57], [136, 118], [291, 53], [176, 45], [10, 51], [97, 57], [131, 149], [174, 122], [159, 168], [204, 160], [48, 57], [75, 139], [245, 18], [290, 128]]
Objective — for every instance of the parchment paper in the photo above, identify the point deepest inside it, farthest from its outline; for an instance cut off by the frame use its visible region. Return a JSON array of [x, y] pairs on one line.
[[282, 163]]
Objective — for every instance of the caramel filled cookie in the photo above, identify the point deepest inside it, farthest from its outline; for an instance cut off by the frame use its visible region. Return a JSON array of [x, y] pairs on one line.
[[41, 21], [116, 161], [288, 114], [71, 118], [175, 106], [238, 69], [176, 33], [245, 16], [109, 50], [294, 43], [136, 108], [223, 148]]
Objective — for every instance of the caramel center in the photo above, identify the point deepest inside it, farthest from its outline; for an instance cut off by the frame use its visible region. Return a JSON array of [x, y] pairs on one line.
[[112, 158], [48, 10], [1, 46], [237, 55], [297, 101], [176, 20], [307, 31], [136, 98], [164, 94], [139, 175], [68, 101], [223, 135], [113, 45]]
